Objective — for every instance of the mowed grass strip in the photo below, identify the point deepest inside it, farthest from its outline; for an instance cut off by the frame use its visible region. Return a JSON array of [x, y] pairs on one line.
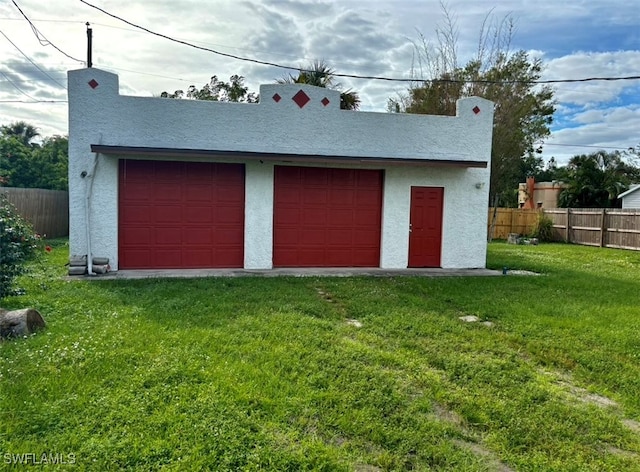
[[275, 374]]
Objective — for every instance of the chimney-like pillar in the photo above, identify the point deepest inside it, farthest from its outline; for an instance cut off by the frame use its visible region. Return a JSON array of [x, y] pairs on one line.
[[531, 187]]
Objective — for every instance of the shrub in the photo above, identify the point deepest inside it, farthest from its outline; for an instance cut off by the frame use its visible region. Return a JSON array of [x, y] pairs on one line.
[[544, 229], [18, 243]]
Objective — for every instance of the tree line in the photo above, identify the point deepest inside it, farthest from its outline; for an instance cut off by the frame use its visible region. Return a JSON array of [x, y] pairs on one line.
[[592, 180], [26, 163]]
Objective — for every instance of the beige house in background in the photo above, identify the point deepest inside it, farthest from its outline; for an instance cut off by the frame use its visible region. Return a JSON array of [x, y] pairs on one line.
[[532, 194]]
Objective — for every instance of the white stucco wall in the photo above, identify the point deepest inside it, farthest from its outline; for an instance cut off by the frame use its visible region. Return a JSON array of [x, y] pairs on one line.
[[464, 226], [258, 216], [100, 115], [631, 198]]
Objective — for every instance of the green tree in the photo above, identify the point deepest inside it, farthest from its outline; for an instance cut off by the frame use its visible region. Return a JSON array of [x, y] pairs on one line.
[[21, 130], [218, 91], [51, 161], [23, 164], [319, 74], [15, 158], [523, 110], [595, 180], [551, 172]]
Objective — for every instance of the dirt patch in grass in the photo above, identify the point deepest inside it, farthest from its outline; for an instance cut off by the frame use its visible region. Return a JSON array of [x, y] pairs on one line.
[[632, 424], [324, 295], [476, 448], [582, 395], [448, 416], [479, 450], [366, 468], [565, 382], [585, 396], [621, 452]]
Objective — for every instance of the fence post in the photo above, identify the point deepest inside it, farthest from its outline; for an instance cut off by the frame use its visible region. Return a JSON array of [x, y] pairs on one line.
[[511, 220], [566, 229], [602, 227]]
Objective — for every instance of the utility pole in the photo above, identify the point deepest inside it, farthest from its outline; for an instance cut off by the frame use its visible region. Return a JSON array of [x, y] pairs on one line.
[[89, 45]]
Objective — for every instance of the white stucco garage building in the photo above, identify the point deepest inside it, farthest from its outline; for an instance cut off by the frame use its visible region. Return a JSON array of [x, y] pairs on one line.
[[290, 182]]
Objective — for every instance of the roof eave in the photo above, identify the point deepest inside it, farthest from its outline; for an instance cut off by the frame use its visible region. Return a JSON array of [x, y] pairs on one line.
[[630, 191], [141, 151]]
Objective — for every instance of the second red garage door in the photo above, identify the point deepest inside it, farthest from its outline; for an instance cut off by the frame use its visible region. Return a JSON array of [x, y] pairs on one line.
[[327, 217], [180, 215]]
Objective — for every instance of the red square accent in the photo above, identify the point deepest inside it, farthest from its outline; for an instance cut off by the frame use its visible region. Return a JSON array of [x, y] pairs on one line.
[[276, 98], [301, 98], [476, 110], [93, 83], [325, 101]]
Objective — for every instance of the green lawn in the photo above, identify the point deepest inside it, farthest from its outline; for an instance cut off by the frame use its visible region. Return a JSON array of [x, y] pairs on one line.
[[267, 374]]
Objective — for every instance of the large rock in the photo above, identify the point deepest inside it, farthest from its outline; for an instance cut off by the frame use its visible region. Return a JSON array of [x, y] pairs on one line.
[[18, 323]]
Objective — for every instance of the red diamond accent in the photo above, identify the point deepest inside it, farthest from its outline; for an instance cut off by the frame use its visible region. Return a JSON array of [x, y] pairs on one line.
[[325, 101], [476, 110], [276, 98], [301, 98], [93, 83]]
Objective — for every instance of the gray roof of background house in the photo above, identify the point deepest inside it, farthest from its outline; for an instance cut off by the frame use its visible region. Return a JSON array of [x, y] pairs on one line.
[[632, 189]]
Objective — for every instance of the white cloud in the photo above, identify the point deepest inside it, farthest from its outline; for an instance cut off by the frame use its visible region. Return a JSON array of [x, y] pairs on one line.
[[584, 65], [610, 129]]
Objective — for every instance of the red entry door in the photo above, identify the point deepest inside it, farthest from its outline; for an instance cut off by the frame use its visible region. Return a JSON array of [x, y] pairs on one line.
[[425, 236]]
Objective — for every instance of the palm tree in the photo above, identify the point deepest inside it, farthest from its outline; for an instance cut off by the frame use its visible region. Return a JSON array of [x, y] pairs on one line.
[[21, 130], [596, 180], [320, 74]]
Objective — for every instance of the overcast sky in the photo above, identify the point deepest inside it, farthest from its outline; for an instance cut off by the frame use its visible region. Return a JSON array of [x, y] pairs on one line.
[[574, 38]]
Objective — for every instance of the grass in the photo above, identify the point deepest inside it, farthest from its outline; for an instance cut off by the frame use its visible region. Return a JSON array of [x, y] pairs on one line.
[[267, 374]]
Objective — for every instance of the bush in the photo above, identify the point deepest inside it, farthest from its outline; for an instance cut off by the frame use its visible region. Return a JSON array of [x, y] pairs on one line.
[[18, 243], [544, 229]]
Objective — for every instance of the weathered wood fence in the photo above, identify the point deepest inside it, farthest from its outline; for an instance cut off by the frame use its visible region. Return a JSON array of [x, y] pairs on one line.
[[603, 227], [46, 210]]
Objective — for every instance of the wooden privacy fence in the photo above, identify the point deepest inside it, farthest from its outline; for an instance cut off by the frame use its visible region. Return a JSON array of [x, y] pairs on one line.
[[512, 220], [46, 210], [603, 227]]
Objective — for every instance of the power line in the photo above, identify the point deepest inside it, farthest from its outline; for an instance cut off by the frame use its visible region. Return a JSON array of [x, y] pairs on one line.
[[63, 72], [41, 37], [227, 46], [356, 76], [34, 101], [589, 146], [16, 87], [185, 43], [134, 30], [29, 59], [152, 75], [24, 81], [43, 20]]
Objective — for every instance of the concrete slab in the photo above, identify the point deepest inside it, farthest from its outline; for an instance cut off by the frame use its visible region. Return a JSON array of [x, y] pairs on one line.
[[297, 272]]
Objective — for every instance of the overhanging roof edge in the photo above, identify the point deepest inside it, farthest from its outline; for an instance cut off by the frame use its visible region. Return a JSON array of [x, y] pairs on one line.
[[268, 156]]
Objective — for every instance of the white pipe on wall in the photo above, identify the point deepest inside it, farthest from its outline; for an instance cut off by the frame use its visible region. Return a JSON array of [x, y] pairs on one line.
[[88, 192]]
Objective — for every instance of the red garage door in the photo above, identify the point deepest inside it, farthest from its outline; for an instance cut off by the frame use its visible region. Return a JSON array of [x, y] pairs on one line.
[[180, 215], [327, 217]]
